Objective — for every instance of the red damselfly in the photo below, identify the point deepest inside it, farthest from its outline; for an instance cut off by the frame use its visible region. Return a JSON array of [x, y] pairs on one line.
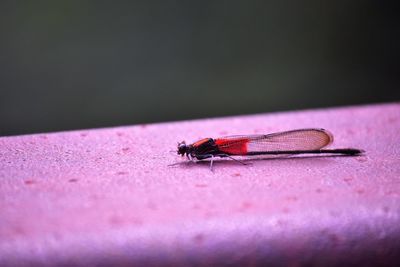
[[294, 142]]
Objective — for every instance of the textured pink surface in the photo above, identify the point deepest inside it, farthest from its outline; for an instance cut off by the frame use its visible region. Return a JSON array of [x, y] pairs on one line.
[[107, 196]]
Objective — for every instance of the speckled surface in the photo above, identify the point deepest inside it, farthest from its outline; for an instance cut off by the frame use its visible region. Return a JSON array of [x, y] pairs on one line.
[[108, 197]]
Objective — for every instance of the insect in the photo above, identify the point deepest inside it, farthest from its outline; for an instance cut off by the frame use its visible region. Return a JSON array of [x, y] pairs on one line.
[[301, 141]]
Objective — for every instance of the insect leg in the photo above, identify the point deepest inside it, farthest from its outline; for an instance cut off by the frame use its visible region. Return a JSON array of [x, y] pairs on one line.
[[207, 156], [232, 158], [211, 163]]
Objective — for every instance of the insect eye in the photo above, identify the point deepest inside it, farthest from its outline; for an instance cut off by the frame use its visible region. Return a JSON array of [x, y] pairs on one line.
[[182, 144]]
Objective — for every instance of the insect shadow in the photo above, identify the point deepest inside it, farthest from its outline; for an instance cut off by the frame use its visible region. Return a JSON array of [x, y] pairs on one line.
[[250, 161]]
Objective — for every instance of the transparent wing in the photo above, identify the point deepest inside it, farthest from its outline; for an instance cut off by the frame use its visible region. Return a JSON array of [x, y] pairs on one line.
[[302, 139]]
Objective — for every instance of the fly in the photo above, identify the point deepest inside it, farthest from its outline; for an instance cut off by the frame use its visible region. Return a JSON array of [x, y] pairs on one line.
[[294, 142]]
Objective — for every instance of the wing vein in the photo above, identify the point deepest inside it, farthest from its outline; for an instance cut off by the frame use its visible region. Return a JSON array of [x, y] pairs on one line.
[[301, 139]]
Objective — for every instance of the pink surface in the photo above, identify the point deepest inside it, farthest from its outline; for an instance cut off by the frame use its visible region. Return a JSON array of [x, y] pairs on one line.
[[108, 197]]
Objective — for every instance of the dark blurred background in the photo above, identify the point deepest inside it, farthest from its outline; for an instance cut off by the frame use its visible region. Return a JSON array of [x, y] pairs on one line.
[[84, 64]]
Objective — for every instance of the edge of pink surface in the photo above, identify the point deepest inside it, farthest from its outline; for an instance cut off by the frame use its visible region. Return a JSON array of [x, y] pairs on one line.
[[108, 196]]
